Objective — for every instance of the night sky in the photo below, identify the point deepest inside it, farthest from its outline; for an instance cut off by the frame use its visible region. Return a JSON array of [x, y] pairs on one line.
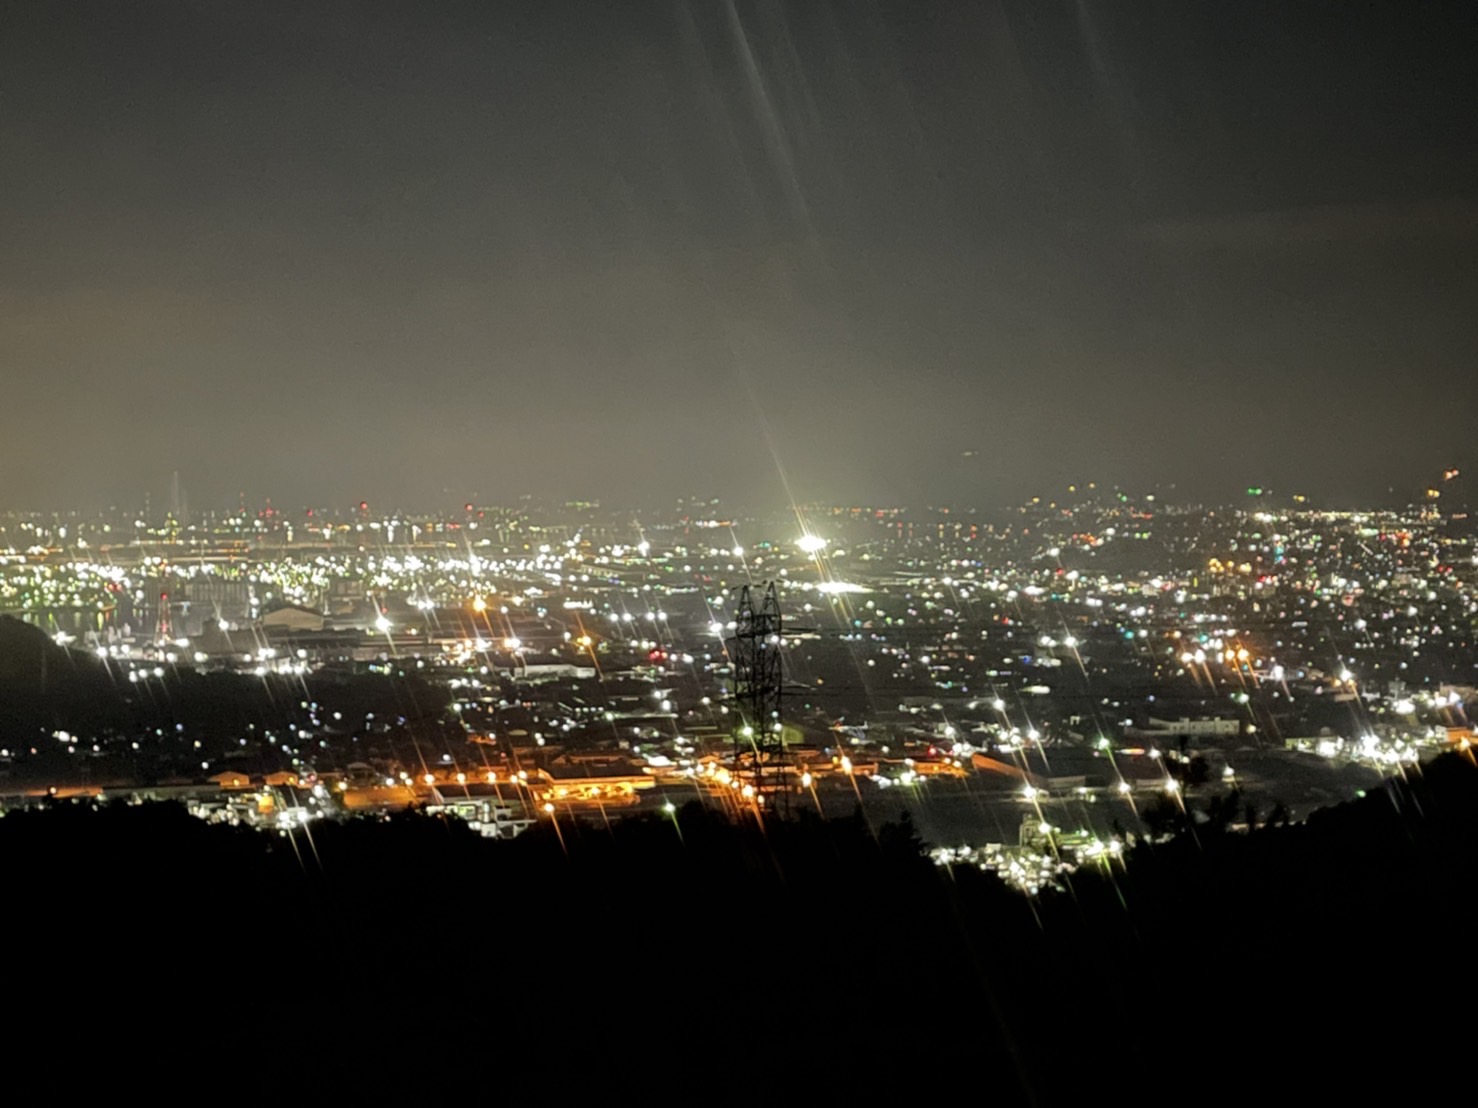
[[909, 251]]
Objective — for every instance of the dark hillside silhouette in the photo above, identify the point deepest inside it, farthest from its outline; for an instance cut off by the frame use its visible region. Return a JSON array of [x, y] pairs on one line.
[[655, 952]]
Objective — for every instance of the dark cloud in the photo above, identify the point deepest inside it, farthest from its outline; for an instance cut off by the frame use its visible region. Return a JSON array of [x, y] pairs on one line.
[[1419, 224]]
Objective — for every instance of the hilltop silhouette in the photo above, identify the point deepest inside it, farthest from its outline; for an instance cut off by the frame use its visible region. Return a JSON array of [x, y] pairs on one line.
[[679, 945], [29, 659]]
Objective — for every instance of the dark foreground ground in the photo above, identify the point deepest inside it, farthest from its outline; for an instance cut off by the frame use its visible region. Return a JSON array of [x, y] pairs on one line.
[[692, 959]]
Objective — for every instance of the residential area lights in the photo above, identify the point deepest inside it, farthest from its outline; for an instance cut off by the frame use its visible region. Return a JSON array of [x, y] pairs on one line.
[[1093, 656]]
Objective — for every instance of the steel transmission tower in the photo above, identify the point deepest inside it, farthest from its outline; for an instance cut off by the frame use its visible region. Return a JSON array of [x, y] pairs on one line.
[[164, 628], [758, 681]]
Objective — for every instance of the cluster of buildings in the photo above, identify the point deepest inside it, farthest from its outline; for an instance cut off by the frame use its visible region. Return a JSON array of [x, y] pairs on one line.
[[1060, 664]]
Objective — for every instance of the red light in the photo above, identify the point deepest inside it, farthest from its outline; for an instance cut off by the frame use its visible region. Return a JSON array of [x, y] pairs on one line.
[[468, 508], [364, 505]]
